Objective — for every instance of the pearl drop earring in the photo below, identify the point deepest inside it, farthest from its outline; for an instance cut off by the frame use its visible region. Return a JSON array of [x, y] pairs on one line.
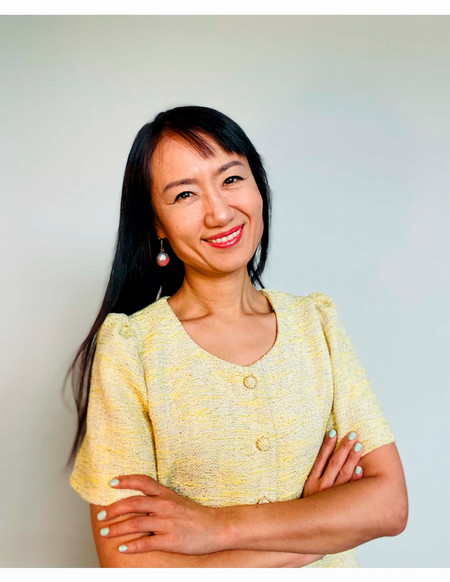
[[162, 258]]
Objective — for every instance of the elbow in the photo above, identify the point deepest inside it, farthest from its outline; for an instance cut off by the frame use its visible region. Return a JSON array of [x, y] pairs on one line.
[[394, 500], [398, 527], [398, 518], [401, 523]]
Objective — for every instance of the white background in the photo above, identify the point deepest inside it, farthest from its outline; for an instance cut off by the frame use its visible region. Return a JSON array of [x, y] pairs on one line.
[[351, 117]]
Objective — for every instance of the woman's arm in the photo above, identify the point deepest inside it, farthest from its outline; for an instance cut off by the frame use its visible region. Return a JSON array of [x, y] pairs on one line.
[[109, 556], [331, 468], [331, 521]]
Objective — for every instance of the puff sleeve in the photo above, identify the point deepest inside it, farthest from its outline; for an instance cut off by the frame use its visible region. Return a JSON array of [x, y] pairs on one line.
[[118, 437], [355, 404]]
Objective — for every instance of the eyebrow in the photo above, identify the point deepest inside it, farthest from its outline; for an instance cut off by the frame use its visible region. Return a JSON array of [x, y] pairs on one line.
[[193, 181]]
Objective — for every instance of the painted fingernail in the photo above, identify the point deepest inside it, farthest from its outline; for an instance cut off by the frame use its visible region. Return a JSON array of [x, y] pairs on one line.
[[357, 447], [332, 433], [101, 515], [351, 436], [358, 470], [114, 482], [123, 548], [104, 531]]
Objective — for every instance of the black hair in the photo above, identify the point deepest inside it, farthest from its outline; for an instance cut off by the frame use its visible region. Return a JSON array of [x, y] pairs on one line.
[[136, 280]]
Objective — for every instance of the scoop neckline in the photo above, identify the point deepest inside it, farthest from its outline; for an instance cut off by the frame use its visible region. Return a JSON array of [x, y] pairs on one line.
[[189, 340]]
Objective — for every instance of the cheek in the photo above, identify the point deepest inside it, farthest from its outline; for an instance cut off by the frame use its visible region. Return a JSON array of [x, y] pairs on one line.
[[260, 216], [254, 209], [184, 231], [258, 207]]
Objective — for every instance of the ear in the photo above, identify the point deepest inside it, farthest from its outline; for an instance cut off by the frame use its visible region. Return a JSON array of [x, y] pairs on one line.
[[159, 229]]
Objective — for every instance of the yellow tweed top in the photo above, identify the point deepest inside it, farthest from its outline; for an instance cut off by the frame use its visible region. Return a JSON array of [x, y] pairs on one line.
[[217, 432]]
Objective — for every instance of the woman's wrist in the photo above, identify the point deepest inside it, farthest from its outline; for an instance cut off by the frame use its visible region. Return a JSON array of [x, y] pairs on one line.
[[226, 538], [223, 532]]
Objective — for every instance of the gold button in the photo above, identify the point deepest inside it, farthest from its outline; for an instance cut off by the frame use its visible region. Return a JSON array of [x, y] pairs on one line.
[[250, 381], [263, 443], [263, 500]]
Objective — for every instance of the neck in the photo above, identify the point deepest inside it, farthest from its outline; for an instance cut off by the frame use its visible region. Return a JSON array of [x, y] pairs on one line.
[[227, 297]]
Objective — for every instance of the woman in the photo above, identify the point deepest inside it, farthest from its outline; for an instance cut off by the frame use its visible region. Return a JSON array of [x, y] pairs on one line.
[[213, 406]]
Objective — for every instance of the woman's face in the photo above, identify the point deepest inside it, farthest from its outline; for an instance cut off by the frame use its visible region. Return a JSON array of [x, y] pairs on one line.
[[197, 199]]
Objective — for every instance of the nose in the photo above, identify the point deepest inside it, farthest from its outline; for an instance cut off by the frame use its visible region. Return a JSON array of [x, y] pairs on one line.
[[218, 212]]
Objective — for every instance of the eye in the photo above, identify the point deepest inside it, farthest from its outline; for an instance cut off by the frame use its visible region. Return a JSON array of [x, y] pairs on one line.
[[181, 194], [232, 178]]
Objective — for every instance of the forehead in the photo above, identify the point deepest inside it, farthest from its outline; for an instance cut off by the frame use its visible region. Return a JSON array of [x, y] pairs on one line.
[[175, 157]]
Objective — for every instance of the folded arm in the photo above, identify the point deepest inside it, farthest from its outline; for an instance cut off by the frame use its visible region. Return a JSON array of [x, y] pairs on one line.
[[328, 522], [205, 527], [109, 556]]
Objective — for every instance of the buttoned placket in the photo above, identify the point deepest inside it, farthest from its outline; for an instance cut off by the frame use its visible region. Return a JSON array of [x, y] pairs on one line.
[[264, 438]]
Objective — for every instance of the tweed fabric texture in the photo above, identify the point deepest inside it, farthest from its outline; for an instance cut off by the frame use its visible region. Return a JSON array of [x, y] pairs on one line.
[[218, 432]]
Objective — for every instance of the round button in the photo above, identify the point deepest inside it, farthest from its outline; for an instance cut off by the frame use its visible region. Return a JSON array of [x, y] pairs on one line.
[[263, 500], [263, 443], [250, 381]]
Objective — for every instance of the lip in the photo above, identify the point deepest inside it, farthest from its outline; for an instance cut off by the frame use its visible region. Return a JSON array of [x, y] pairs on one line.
[[226, 233], [228, 243]]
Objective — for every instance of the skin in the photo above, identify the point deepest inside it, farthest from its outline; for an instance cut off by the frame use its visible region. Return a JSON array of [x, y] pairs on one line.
[[217, 293], [216, 289]]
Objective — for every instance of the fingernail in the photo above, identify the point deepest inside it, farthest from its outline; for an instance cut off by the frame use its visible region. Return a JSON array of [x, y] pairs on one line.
[[114, 482], [101, 515], [332, 433], [358, 470], [351, 436], [357, 447], [123, 548], [104, 531]]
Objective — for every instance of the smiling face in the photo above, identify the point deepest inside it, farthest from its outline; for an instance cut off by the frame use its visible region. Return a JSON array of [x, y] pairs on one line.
[[197, 198]]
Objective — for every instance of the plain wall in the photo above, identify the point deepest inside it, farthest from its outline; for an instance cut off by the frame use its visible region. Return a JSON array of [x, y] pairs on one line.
[[351, 117]]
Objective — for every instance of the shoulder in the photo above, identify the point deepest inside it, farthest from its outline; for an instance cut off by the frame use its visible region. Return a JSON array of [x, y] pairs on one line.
[[121, 325], [321, 301], [152, 311], [150, 320], [115, 325], [117, 339], [316, 300]]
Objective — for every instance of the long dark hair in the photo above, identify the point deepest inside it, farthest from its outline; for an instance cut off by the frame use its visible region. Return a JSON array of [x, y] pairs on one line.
[[136, 280]]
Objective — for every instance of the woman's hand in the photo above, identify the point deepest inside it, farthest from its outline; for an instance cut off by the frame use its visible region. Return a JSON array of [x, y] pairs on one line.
[[334, 468], [171, 522]]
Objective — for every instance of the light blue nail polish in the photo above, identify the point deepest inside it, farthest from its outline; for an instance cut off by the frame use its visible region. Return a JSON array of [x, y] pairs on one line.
[[123, 548], [332, 433], [114, 482], [357, 447], [104, 531], [358, 470], [351, 436], [101, 515]]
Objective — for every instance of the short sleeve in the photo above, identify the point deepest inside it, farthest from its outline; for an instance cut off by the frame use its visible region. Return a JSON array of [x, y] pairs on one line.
[[355, 404], [118, 439]]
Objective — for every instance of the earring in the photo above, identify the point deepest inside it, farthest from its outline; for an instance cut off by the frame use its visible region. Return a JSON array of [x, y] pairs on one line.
[[162, 258]]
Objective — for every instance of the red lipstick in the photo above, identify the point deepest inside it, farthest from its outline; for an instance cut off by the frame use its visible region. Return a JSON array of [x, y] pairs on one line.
[[228, 243], [226, 233]]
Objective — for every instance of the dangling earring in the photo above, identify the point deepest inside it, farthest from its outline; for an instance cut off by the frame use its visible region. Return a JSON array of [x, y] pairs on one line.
[[162, 258]]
